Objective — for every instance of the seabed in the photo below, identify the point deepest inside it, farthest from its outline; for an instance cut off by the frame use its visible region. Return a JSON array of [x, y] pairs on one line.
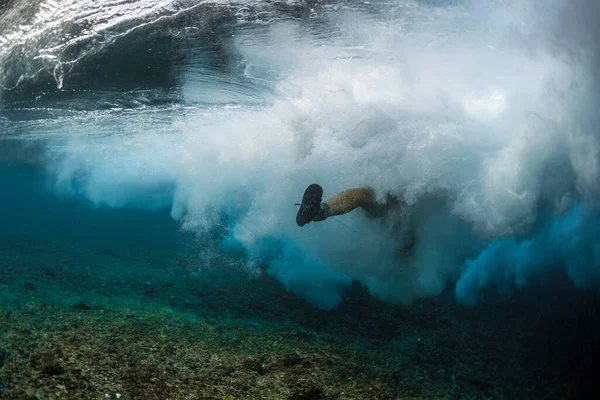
[[85, 322]]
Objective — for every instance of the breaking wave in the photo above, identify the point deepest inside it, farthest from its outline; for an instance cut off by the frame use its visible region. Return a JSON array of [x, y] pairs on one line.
[[481, 117]]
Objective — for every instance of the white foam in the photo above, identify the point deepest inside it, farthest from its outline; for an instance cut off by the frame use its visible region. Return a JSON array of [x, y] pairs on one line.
[[448, 108]]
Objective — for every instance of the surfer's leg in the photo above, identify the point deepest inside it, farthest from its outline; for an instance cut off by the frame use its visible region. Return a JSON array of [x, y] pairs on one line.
[[312, 209], [345, 202]]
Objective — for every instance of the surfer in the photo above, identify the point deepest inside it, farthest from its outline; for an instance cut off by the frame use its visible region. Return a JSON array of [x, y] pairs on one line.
[[312, 209]]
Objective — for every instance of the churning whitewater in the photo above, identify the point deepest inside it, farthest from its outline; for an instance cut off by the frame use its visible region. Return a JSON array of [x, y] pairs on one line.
[[481, 117]]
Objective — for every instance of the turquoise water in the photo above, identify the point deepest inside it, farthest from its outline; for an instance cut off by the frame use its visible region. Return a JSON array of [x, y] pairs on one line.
[[151, 155]]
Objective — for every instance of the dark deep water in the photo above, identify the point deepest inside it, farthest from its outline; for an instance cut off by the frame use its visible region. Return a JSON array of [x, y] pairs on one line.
[[151, 154]]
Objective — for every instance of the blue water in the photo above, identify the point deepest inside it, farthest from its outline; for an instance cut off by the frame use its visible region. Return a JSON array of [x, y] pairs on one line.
[[143, 143]]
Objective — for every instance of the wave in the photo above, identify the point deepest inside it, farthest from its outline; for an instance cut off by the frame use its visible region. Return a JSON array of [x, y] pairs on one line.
[[115, 50], [481, 117]]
